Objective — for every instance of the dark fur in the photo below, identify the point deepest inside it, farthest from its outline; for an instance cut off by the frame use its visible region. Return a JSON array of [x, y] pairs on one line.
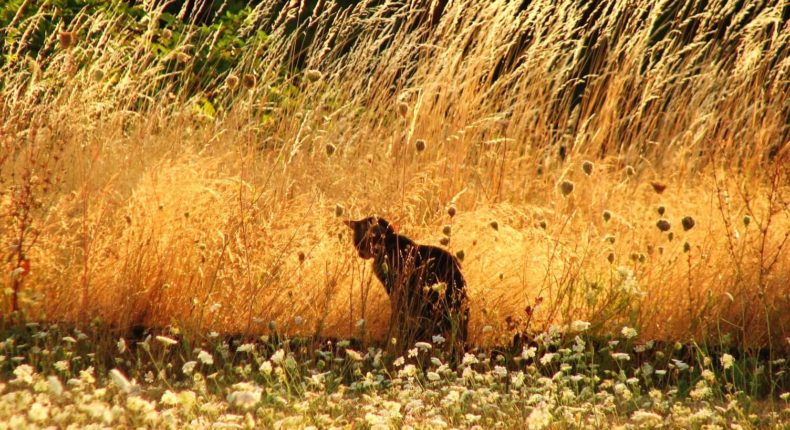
[[409, 272]]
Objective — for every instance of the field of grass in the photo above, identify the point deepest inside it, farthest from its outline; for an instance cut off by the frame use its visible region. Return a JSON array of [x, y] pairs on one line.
[[619, 171]]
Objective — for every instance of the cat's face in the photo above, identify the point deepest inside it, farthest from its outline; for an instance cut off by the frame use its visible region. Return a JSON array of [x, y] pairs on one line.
[[369, 234]]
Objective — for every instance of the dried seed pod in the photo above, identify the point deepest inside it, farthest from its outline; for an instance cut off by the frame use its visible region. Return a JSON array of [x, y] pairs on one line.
[[566, 187], [663, 224], [688, 223]]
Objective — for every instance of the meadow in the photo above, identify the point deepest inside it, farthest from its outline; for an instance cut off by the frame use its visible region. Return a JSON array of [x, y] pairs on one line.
[[614, 176]]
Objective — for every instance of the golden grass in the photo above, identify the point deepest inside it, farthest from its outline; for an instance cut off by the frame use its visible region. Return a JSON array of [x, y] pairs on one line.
[[136, 207]]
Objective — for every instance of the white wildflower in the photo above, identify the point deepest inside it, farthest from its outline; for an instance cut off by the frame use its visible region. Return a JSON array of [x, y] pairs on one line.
[[539, 418], [121, 346], [727, 361], [629, 332], [278, 356], [24, 374], [438, 339], [469, 359], [189, 367], [245, 399], [169, 398], [166, 341], [119, 379], [580, 325], [547, 358], [205, 357], [433, 376], [353, 355], [621, 356], [499, 371], [38, 412], [55, 387], [647, 418], [246, 347], [425, 346], [62, 366], [528, 352]]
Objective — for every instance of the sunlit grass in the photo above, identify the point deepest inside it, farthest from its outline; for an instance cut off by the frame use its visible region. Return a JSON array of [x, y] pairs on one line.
[[623, 164]]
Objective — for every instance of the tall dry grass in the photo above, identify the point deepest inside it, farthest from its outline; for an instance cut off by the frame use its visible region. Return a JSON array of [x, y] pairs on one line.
[[135, 204]]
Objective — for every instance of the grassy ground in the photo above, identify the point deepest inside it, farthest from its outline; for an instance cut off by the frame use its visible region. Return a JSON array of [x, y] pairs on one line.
[[623, 164]]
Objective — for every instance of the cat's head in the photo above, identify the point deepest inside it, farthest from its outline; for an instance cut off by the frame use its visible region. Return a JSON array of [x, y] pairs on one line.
[[369, 234]]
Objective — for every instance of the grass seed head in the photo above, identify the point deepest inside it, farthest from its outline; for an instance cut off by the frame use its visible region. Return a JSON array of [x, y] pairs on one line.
[[314, 75], [629, 170], [330, 149], [587, 167], [658, 187], [661, 210], [610, 257], [663, 224], [495, 225], [248, 81], [183, 57], [543, 224], [403, 109], [460, 254], [566, 187], [419, 145], [607, 216], [339, 210], [747, 220], [444, 241], [66, 39], [451, 211], [688, 223], [447, 230], [232, 81]]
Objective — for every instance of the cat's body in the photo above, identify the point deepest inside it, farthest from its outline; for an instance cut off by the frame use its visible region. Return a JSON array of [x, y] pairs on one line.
[[426, 287]]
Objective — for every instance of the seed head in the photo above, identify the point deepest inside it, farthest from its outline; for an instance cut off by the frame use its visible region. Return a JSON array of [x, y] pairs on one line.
[[607, 216], [420, 145], [629, 170], [330, 149], [460, 254], [339, 209], [248, 81], [609, 238], [543, 224], [97, 75], [670, 236], [587, 167], [447, 230], [610, 257], [658, 187], [403, 109], [183, 57], [661, 210], [747, 220], [451, 211], [566, 187], [686, 247], [301, 256], [663, 225], [66, 39], [314, 75], [444, 241], [688, 223], [494, 225], [167, 34], [232, 81]]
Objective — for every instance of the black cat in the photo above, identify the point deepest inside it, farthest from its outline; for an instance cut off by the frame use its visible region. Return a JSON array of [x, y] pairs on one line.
[[426, 288]]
